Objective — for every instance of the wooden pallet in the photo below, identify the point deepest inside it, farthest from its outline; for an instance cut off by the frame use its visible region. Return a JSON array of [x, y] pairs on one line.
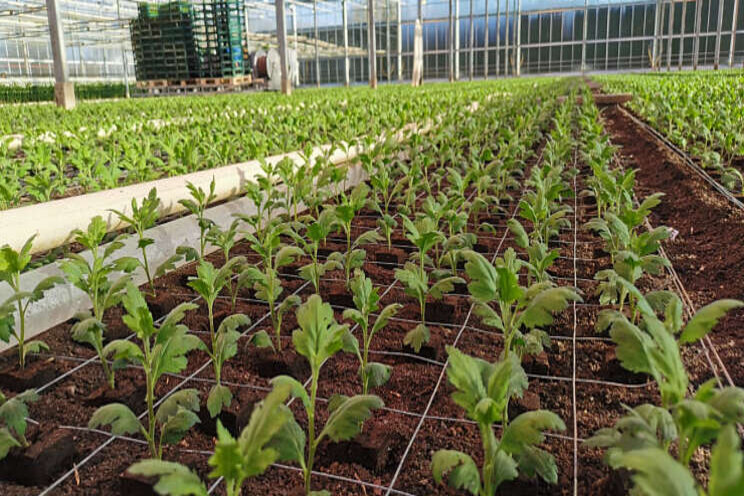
[[163, 86]]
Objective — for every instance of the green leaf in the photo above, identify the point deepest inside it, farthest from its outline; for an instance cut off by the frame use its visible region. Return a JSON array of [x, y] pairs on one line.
[[540, 309], [347, 418], [289, 442], [484, 285], [219, 397], [726, 465], [656, 473], [417, 337], [297, 390], [173, 478], [319, 336], [14, 411], [377, 373], [533, 460], [520, 235], [176, 426], [706, 318], [118, 416], [183, 399], [7, 441], [527, 430], [460, 469]]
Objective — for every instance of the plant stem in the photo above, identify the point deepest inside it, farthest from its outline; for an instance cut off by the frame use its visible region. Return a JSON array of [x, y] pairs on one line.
[[311, 431], [22, 334]]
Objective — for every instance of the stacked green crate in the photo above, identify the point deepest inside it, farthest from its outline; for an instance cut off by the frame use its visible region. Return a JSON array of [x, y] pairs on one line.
[[164, 41], [221, 37]]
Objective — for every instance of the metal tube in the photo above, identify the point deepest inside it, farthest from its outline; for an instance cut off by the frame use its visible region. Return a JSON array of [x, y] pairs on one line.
[[506, 41], [387, 39], [696, 47], [420, 15], [281, 35], [294, 26], [719, 27], [371, 48], [518, 41], [400, 43], [670, 28], [64, 90], [607, 44], [123, 53], [472, 38], [345, 23], [583, 39], [655, 46], [734, 18], [498, 36], [457, 40], [485, 45], [682, 35], [451, 43], [317, 50]]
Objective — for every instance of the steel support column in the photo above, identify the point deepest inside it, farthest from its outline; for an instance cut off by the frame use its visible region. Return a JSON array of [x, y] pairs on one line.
[[400, 43], [518, 41], [670, 28], [485, 44], [124, 54], [696, 47], [451, 42], [387, 41], [719, 28], [317, 41], [734, 18], [583, 39], [682, 35], [371, 48], [471, 41], [64, 89], [457, 40], [506, 41], [498, 36], [345, 24], [657, 28], [281, 35]]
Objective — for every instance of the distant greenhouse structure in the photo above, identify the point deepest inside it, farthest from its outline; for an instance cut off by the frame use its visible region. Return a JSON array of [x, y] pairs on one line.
[[489, 37]]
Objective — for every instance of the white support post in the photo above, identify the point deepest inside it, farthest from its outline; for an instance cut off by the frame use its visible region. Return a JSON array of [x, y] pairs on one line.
[[682, 35], [345, 24], [506, 41], [294, 27], [400, 42], [719, 27], [371, 44], [317, 41], [696, 48], [657, 28], [471, 42], [124, 53], [734, 18], [451, 42], [387, 41], [670, 28], [518, 41], [64, 89], [485, 44], [498, 36], [457, 40], [583, 39], [281, 35]]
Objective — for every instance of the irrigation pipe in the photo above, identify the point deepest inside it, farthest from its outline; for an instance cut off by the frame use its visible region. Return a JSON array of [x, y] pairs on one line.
[[685, 158]]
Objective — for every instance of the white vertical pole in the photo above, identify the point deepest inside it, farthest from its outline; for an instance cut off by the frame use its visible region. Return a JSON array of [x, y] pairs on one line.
[[64, 90], [124, 54], [506, 41], [472, 40], [451, 42], [400, 42], [670, 28], [657, 28], [498, 36], [345, 23], [387, 40], [317, 50], [294, 27], [698, 21], [719, 27], [518, 41], [371, 44], [281, 35], [734, 18], [457, 40], [485, 45], [682, 35], [583, 39]]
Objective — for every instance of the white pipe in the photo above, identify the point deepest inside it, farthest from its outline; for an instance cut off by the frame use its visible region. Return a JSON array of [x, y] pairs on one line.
[[53, 221], [63, 301]]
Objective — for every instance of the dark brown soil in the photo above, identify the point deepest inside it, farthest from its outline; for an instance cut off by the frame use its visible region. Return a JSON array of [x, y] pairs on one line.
[[707, 252]]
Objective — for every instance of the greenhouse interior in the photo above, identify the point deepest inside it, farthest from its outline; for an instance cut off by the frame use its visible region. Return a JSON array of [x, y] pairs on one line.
[[372, 247]]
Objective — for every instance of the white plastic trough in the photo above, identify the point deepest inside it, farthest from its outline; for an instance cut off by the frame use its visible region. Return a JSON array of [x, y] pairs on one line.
[[53, 222]]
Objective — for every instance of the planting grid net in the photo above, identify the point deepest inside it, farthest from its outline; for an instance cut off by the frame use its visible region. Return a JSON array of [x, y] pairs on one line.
[[576, 382]]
